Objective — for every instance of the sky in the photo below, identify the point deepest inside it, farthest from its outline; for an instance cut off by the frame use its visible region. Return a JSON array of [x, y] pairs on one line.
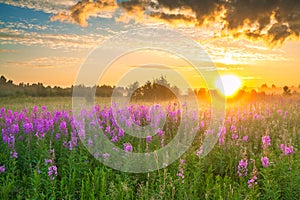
[[51, 41]]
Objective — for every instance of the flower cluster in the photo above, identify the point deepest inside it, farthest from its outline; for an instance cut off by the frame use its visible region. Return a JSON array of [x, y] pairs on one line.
[[252, 181], [265, 161], [127, 147], [266, 141], [52, 172], [2, 169], [180, 174], [243, 167], [52, 169], [287, 150]]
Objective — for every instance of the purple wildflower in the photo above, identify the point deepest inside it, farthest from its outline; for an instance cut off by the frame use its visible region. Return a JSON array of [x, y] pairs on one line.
[[105, 155], [160, 132], [13, 154], [127, 147], [148, 138], [90, 142], [199, 151], [63, 127], [57, 136], [245, 138], [52, 171], [252, 181], [266, 141], [15, 128], [2, 169], [221, 135], [243, 167], [235, 136], [180, 174], [121, 133], [233, 128], [265, 161], [48, 161], [114, 139], [287, 150]]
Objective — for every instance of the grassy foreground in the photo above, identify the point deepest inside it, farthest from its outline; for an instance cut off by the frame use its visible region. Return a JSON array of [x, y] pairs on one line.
[[43, 157]]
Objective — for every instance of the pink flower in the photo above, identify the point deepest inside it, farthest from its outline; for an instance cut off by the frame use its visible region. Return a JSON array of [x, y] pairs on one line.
[[13, 154], [243, 167], [105, 155], [199, 151], [127, 147], [48, 161], [235, 136], [245, 138], [221, 140], [266, 141], [160, 132], [148, 138], [202, 125], [221, 135], [287, 150], [180, 174], [90, 142], [114, 139], [265, 161], [233, 128], [252, 181], [52, 171], [2, 169]]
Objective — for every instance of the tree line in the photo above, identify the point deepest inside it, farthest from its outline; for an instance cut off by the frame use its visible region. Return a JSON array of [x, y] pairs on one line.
[[158, 89]]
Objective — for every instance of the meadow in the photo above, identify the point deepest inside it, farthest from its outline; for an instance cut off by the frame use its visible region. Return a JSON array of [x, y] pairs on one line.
[[44, 155]]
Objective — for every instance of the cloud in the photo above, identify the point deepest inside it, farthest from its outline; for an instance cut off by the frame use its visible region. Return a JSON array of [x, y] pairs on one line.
[[81, 12], [48, 62], [226, 52], [45, 6], [270, 21], [8, 50], [71, 42]]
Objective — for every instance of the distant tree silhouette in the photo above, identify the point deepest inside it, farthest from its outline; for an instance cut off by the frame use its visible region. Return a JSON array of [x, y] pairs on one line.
[[132, 87], [159, 89], [264, 85], [2, 80], [286, 91]]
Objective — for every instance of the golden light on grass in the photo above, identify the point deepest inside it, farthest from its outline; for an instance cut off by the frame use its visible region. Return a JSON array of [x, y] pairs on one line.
[[228, 84]]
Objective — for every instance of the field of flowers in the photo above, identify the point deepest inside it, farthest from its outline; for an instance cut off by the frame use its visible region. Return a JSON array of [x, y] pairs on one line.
[[43, 154]]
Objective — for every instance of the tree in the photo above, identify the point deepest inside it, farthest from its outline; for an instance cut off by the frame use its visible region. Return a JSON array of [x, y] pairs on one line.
[[286, 91], [2, 80], [264, 85], [132, 87]]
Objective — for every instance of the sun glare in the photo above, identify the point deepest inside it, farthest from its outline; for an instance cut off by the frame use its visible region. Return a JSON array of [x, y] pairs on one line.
[[228, 59], [228, 84]]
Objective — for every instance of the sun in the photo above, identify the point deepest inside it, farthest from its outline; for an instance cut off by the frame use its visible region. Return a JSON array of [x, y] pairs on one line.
[[228, 84]]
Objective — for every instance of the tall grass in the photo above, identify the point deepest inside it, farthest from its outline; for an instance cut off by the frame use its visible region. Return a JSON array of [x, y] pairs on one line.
[[28, 153]]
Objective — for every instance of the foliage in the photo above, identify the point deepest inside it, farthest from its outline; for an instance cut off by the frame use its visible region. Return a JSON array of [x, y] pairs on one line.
[[34, 141]]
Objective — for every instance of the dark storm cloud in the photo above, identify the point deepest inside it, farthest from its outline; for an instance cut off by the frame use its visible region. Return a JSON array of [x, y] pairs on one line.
[[270, 21]]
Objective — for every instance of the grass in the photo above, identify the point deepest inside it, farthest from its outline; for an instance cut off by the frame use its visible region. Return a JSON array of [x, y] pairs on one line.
[[81, 176]]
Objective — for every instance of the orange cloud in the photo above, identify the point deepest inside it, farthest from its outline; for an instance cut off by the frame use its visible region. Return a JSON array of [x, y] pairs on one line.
[[270, 21], [80, 12]]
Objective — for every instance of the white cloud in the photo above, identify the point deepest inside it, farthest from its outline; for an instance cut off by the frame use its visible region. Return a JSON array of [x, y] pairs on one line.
[[48, 62], [47, 6], [70, 42]]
